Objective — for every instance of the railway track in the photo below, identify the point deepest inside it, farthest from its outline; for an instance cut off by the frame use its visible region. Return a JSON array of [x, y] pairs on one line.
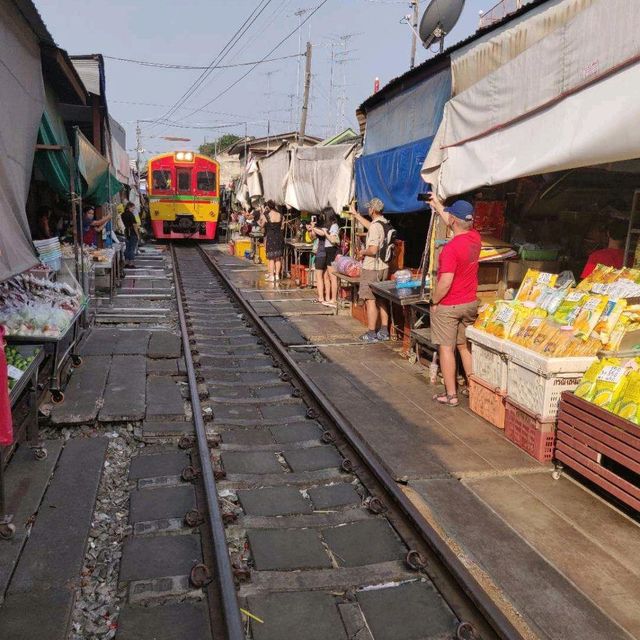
[[310, 536]]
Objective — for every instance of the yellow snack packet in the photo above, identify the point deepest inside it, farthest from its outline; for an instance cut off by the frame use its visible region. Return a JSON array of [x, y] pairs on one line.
[[570, 307], [610, 385], [533, 285], [484, 315], [557, 343], [589, 315], [527, 330], [547, 331], [608, 320], [587, 384], [628, 406], [502, 320], [622, 326], [598, 275]]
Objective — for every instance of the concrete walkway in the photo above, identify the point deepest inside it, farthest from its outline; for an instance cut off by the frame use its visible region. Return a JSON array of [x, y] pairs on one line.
[[551, 552]]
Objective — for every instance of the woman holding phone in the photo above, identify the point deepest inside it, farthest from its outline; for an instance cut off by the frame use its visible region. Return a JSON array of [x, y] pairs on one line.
[[326, 230]]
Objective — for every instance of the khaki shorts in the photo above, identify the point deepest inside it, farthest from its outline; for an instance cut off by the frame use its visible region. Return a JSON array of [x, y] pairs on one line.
[[366, 277], [448, 323]]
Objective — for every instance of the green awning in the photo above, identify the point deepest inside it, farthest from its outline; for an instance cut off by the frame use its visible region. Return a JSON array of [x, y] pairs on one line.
[[98, 178]]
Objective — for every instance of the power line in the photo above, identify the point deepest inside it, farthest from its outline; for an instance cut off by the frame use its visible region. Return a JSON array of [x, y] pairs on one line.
[[161, 65]]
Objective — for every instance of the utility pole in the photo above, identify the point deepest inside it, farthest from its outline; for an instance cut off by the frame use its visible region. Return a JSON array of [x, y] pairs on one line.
[[305, 99], [138, 148], [415, 5]]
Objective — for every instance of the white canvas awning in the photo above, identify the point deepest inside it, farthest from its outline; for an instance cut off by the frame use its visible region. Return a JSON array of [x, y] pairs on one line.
[[569, 99], [274, 171], [321, 177], [20, 113]]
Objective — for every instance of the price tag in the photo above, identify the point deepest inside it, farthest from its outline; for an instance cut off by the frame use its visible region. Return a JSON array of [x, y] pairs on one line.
[[13, 372], [505, 315], [544, 278], [591, 304], [536, 322], [612, 373], [575, 296]]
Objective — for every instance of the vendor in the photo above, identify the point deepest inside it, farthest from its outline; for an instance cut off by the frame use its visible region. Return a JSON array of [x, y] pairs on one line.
[[91, 226], [42, 230], [613, 255]]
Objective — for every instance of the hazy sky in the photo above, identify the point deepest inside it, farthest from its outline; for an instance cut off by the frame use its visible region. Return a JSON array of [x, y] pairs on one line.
[[366, 33]]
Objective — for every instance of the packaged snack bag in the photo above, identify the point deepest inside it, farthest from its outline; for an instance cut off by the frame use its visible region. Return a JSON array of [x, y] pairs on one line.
[[502, 320], [608, 320], [589, 315], [550, 299], [545, 333], [596, 276], [622, 326], [533, 284], [629, 404], [570, 307], [526, 332], [609, 387], [524, 311], [586, 386], [557, 343], [484, 315]]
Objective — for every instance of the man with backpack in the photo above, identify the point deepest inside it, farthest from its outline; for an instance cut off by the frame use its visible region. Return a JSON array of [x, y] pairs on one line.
[[378, 251]]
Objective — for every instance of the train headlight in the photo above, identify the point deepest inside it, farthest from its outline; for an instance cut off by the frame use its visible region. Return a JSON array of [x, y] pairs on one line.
[[180, 155], [188, 156], [184, 156]]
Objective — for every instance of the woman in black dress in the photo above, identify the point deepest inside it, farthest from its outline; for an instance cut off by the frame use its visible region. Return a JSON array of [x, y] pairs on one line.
[[272, 222]]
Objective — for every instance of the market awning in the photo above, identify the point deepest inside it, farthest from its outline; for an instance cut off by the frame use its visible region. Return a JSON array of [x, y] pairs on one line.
[[22, 106], [321, 177], [100, 182], [569, 99], [274, 171], [54, 165], [398, 136]]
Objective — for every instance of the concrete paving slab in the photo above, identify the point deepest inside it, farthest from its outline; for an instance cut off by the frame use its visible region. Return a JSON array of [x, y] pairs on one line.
[[164, 344], [161, 504], [246, 437], [283, 411], [308, 615], [251, 462], [163, 367], [132, 342], [164, 400], [151, 429], [84, 393], [287, 550], [334, 495], [313, 458], [407, 612], [548, 602], [167, 622], [613, 583], [124, 396], [156, 465], [361, 543], [53, 555], [99, 342], [274, 501], [26, 479], [47, 611], [296, 432], [159, 556], [285, 331]]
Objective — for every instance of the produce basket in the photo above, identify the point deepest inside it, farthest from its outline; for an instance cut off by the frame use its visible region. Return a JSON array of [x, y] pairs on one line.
[[534, 436], [489, 358], [487, 402], [536, 383]]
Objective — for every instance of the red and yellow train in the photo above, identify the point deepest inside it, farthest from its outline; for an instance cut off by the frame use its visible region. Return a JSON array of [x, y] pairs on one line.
[[184, 196]]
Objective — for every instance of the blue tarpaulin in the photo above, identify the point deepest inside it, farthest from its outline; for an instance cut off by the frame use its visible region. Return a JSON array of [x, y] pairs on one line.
[[394, 177]]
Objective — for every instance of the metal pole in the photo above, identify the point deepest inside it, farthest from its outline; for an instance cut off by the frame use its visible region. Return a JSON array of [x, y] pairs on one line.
[[76, 130], [414, 38], [307, 87]]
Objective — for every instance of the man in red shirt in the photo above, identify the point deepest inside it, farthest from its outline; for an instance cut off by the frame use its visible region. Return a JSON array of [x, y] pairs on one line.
[[613, 255], [454, 302]]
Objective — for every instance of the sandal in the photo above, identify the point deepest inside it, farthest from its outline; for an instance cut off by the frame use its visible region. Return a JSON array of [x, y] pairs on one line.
[[446, 400], [465, 391]]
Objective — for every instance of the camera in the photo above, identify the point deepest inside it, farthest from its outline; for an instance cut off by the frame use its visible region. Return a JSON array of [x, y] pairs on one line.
[[346, 209], [424, 197]]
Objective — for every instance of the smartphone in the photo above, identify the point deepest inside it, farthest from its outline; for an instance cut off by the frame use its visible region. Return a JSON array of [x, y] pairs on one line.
[[314, 219], [424, 197], [345, 209]]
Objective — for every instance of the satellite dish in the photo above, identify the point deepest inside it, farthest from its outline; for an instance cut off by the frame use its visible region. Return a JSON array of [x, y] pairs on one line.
[[438, 20]]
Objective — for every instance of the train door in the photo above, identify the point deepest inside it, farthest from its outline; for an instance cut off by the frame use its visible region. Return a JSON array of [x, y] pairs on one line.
[[206, 192]]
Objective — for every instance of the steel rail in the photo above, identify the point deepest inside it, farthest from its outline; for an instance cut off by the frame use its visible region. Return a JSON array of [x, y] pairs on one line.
[[225, 578], [494, 616]]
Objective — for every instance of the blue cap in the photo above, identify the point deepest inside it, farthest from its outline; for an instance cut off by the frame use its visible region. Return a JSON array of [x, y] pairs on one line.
[[461, 209]]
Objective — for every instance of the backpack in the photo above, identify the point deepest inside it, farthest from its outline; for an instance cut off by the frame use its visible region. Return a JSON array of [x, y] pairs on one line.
[[388, 246]]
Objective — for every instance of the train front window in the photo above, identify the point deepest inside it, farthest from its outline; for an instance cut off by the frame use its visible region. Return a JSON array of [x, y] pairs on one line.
[[162, 180], [206, 181], [184, 180]]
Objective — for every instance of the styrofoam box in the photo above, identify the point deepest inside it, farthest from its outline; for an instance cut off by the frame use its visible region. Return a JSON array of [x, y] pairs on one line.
[[489, 358], [536, 383]]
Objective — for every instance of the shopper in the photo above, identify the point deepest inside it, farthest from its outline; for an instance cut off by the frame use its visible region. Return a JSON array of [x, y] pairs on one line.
[[613, 255], [91, 226], [326, 231], [131, 234], [374, 269], [454, 301], [272, 221]]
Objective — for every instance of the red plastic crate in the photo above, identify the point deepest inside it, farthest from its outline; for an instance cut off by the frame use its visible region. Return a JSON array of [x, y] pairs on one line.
[[535, 437], [487, 402]]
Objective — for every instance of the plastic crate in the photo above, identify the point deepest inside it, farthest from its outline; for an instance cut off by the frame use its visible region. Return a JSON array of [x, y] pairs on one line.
[[487, 402], [489, 358], [536, 383], [547, 255], [534, 436]]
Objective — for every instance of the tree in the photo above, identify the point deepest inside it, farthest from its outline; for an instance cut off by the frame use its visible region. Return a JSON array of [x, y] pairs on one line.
[[219, 145]]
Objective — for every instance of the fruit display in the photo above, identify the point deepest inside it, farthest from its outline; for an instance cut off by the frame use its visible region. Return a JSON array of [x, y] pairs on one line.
[[17, 364], [33, 307], [556, 319]]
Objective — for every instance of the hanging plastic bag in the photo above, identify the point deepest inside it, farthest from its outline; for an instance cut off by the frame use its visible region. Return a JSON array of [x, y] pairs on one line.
[[6, 424]]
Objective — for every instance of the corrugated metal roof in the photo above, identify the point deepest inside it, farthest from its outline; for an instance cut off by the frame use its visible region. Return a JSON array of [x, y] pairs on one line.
[[434, 64], [88, 68], [34, 19]]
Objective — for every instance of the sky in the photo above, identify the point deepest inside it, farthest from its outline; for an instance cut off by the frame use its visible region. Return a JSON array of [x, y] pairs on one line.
[[365, 38]]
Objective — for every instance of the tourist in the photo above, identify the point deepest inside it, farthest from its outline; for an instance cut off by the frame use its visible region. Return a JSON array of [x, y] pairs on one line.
[[272, 222], [454, 301], [131, 234], [326, 231]]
